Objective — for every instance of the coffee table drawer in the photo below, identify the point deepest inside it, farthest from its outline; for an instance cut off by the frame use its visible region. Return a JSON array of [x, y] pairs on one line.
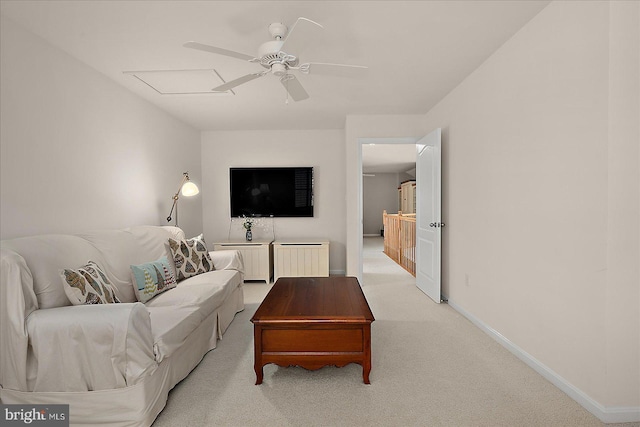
[[312, 340]]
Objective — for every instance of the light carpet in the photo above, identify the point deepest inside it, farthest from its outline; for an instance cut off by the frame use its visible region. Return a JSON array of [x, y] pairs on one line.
[[430, 367]]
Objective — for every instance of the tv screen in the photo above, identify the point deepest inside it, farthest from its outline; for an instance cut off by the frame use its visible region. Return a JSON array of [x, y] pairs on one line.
[[277, 192]]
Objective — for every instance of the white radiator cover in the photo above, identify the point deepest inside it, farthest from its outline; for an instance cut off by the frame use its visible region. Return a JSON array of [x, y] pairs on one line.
[[300, 259], [256, 256]]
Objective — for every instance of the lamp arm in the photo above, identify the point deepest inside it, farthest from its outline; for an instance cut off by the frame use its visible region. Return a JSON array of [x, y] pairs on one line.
[[176, 196], [175, 201], [185, 178]]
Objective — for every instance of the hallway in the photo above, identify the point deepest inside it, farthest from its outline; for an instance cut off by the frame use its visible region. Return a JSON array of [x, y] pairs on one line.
[[379, 267]]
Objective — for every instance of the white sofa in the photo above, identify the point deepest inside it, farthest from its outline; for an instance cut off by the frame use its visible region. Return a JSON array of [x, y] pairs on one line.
[[114, 364]]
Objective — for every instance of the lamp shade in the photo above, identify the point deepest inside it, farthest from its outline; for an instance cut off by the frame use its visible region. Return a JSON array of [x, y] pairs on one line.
[[189, 189]]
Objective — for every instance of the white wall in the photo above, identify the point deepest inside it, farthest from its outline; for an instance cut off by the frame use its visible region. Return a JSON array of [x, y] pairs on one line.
[[321, 149], [79, 152], [622, 309], [540, 163], [403, 176], [379, 193]]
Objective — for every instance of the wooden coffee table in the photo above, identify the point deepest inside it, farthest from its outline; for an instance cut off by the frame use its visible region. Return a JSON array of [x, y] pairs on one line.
[[313, 322]]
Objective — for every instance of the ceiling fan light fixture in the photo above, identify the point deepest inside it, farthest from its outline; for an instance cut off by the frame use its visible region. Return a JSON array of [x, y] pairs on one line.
[[279, 70]]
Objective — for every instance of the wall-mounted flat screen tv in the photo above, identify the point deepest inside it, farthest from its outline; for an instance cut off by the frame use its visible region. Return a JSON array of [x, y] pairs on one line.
[[272, 192]]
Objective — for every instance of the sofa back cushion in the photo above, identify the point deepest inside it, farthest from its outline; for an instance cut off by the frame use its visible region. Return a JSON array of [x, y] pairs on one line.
[[155, 243], [46, 256], [119, 249], [131, 246], [113, 250]]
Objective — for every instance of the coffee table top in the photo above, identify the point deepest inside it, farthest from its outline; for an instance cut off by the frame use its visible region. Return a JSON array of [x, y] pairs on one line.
[[314, 300]]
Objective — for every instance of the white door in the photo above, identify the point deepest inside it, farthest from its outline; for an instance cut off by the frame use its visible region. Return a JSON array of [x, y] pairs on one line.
[[428, 217]]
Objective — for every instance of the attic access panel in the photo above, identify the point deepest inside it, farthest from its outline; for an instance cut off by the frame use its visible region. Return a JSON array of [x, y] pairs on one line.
[[181, 82]]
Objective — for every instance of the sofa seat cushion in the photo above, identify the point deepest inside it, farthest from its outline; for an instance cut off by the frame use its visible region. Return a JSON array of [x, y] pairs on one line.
[[177, 313]]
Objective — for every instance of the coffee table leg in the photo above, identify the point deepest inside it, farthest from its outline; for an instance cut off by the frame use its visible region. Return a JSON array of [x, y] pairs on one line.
[[258, 370], [365, 376], [257, 353], [366, 362]]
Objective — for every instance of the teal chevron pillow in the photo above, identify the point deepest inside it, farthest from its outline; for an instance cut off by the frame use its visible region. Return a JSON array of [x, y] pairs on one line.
[[152, 278]]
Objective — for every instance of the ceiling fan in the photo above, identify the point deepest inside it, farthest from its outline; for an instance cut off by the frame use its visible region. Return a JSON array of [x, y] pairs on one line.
[[279, 58]]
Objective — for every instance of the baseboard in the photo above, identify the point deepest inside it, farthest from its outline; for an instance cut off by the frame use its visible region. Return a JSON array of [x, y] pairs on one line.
[[337, 273], [604, 414], [371, 235]]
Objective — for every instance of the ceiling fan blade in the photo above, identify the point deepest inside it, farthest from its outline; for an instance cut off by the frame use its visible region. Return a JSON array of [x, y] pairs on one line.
[[238, 82], [294, 87], [218, 50], [333, 69], [299, 35]]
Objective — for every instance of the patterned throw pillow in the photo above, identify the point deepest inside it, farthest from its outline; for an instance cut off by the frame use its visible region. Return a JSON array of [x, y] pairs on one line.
[[152, 278], [191, 257], [88, 285]]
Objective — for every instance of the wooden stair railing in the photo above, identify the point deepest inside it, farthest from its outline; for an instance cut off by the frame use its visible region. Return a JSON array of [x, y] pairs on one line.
[[400, 239]]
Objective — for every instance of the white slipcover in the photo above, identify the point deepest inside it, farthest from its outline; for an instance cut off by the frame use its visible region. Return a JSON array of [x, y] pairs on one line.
[[114, 364], [71, 346]]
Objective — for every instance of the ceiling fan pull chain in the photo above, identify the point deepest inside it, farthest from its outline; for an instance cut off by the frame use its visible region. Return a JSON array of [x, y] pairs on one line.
[[286, 100], [285, 82]]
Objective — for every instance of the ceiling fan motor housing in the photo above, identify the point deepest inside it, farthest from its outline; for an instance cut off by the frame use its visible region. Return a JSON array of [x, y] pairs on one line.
[[271, 57], [270, 48]]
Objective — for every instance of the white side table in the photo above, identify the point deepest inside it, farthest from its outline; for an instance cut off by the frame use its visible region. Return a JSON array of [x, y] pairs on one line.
[[257, 256]]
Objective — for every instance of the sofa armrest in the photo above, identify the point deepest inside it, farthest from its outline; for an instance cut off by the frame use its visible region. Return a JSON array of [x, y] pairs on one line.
[[89, 347], [17, 301], [228, 260]]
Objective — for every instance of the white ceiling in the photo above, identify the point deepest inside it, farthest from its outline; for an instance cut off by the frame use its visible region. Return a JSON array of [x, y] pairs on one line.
[[416, 51]]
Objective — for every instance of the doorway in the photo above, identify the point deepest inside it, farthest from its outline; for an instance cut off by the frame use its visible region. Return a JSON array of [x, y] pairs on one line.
[[383, 162], [426, 158]]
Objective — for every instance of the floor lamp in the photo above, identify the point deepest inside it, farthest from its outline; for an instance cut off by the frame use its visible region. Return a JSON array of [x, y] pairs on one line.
[[188, 189]]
